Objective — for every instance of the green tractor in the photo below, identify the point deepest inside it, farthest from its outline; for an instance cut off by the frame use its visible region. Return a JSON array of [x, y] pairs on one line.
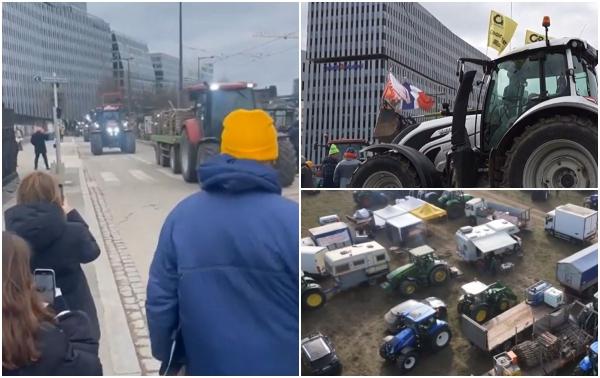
[[482, 302], [424, 269], [313, 296], [453, 201]]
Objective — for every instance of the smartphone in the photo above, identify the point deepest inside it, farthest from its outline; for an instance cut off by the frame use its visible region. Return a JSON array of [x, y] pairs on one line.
[[62, 193], [45, 284]]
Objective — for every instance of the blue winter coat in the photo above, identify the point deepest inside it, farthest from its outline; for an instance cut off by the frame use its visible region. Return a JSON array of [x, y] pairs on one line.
[[226, 271]]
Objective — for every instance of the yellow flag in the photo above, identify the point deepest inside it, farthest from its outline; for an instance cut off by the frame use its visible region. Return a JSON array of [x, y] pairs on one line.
[[532, 37], [501, 31]]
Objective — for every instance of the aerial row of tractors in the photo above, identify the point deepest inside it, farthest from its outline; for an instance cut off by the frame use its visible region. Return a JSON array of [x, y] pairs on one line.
[[550, 328]]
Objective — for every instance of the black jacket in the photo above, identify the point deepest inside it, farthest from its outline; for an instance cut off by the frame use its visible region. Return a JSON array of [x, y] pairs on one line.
[[327, 170], [38, 140], [60, 243], [66, 348]]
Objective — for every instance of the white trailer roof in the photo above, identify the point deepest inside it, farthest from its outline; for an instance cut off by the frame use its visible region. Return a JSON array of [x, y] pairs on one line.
[[353, 251], [577, 210], [583, 259], [310, 250], [409, 203], [493, 242], [389, 212], [501, 225], [331, 227], [404, 220]]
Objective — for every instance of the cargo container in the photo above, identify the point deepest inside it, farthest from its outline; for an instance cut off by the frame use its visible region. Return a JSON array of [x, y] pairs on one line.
[[572, 223], [333, 235], [578, 273]]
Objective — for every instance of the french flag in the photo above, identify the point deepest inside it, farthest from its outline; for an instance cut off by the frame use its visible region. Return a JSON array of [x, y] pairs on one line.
[[418, 98]]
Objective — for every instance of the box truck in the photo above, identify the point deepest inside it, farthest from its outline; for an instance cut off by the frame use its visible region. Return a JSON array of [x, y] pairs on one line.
[[572, 223]]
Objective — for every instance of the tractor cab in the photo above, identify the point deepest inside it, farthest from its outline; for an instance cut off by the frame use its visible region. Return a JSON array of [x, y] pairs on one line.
[[396, 316], [422, 256], [213, 102], [526, 77], [473, 290]]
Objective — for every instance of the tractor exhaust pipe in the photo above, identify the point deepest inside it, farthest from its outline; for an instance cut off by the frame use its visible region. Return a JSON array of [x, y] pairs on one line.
[[462, 157]]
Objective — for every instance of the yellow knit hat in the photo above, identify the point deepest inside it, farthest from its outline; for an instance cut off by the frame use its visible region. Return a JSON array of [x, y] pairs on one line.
[[249, 134]]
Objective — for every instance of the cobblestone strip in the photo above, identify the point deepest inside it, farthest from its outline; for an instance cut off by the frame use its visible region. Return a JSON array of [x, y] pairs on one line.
[[131, 288]]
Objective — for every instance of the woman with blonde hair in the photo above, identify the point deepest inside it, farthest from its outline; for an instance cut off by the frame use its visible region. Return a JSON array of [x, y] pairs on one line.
[[34, 341], [59, 237]]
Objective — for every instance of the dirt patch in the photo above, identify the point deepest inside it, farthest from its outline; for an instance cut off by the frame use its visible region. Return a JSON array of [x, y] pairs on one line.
[[354, 319]]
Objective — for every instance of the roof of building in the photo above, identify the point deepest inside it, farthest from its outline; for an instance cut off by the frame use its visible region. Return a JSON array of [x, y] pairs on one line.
[[583, 259]]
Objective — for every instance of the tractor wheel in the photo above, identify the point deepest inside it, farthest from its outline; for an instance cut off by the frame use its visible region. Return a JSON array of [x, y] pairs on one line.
[[556, 152], [440, 338], [455, 209], [313, 299], [408, 288], [205, 151], [96, 143], [128, 145], [462, 307], [472, 221], [383, 354], [480, 313], [385, 171], [503, 305], [175, 159], [407, 362], [157, 153], [162, 160], [287, 162], [438, 275], [86, 137], [188, 158]]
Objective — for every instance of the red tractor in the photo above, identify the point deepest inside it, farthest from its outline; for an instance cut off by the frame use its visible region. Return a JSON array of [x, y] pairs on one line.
[[188, 137]]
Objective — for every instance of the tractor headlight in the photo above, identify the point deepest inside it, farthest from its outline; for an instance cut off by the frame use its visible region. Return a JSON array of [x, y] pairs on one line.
[[214, 87], [96, 125], [125, 124], [116, 130]]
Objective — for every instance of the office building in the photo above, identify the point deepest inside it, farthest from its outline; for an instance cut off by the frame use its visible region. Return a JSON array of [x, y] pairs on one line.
[[41, 38], [166, 71], [350, 49], [132, 68]]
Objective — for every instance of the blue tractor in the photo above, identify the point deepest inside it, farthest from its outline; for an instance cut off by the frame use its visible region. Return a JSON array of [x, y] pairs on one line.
[[422, 330], [589, 364]]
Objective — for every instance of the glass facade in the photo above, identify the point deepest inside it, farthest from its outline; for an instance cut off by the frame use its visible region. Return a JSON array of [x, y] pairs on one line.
[[166, 70], [41, 38], [350, 49]]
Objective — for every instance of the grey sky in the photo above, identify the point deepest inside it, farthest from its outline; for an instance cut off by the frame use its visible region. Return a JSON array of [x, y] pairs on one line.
[[470, 20], [216, 29]]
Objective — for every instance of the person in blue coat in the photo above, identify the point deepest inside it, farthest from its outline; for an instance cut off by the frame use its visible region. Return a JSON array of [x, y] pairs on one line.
[[222, 294]]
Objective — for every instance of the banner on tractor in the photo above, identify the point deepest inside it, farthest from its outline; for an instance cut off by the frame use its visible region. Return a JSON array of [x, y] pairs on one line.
[[532, 37], [501, 31], [405, 96]]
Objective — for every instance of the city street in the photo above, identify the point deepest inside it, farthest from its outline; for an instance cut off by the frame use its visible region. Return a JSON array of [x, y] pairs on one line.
[[125, 199]]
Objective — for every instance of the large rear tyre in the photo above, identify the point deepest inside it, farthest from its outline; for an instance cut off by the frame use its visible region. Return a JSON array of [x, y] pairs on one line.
[[130, 142], [556, 152], [175, 159], [480, 313], [96, 143], [287, 162], [385, 171], [441, 338], [205, 151], [188, 158], [438, 275]]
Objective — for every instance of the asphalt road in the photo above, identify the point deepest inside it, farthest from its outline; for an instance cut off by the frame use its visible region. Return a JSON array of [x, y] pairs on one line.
[[125, 199]]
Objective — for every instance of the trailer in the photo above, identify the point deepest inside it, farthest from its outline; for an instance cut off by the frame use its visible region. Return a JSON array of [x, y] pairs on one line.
[[482, 243], [556, 340], [312, 260], [578, 273], [500, 333], [480, 211], [332, 235], [357, 264], [572, 223]]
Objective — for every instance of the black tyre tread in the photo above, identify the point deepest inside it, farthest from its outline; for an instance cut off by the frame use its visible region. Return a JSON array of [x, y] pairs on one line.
[[96, 144], [401, 358], [432, 282], [205, 151], [405, 283], [400, 167], [542, 127], [175, 159], [287, 162], [157, 153], [434, 346], [190, 175]]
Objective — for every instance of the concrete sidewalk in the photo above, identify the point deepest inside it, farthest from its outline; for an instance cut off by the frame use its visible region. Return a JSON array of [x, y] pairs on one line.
[[117, 352]]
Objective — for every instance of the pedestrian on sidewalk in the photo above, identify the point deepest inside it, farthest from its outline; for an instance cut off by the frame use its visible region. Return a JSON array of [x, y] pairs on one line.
[[225, 271], [35, 341], [345, 168], [59, 237], [328, 166], [38, 140]]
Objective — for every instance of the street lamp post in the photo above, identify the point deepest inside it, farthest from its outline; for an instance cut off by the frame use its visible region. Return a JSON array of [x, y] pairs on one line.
[[55, 80]]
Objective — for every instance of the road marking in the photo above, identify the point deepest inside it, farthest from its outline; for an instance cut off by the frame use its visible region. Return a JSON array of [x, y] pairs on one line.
[[109, 177], [140, 175], [168, 174], [141, 160]]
